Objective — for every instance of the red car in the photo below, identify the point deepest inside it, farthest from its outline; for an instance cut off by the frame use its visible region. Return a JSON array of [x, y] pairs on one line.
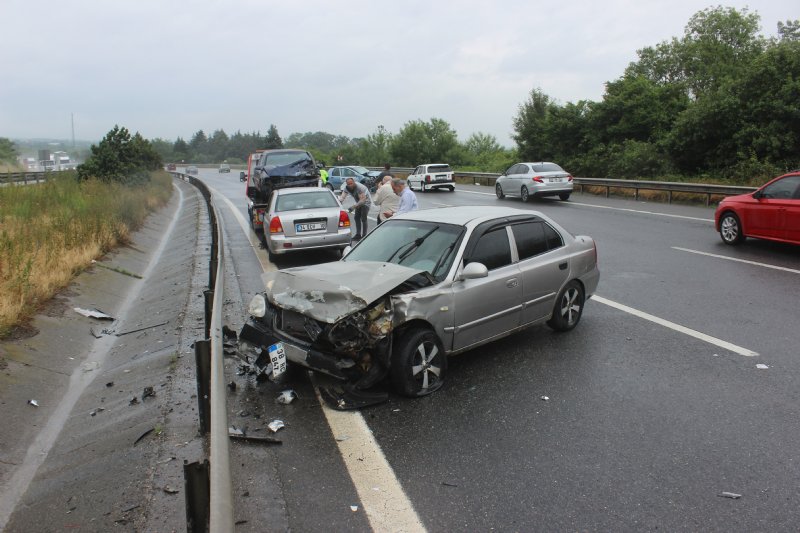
[[772, 212], [171, 166]]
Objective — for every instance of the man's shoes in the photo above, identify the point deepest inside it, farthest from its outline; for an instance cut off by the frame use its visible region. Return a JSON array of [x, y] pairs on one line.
[[357, 237]]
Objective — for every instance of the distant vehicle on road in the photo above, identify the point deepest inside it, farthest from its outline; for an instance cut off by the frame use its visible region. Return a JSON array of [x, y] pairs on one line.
[[534, 179], [171, 166], [224, 167], [429, 177], [191, 170], [338, 175], [772, 212]]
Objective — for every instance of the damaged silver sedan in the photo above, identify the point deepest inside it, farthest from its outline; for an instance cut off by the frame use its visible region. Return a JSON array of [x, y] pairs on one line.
[[420, 287]]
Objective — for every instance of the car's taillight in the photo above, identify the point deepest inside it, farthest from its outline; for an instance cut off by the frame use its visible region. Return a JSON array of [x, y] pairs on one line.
[[427, 179], [344, 220], [275, 225], [569, 177], [538, 179]]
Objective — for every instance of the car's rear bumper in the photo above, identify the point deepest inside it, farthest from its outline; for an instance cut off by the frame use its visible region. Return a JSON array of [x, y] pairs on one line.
[[282, 244]]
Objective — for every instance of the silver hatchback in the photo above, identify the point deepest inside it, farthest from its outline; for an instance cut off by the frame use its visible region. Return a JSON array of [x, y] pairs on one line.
[[420, 287], [528, 180], [304, 218]]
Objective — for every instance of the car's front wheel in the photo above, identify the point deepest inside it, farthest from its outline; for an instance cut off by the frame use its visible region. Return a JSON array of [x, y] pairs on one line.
[[730, 229], [568, 308], [564, 196], [418, 363], [523, 193], [498, 190]]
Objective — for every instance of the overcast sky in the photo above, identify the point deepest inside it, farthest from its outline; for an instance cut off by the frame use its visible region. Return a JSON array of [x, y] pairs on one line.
[[170, 68]]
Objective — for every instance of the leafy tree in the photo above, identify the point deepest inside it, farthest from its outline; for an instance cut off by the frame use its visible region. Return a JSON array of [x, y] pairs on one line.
[[122, 158], [374, 149], [218, 146], [180, 150], [789, 31], [163, 147], [198, 147], [273, 140], [530, 127], [420, 141], [8, 151]]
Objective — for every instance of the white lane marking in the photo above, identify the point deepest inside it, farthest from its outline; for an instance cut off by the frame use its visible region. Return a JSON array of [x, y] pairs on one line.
[[255, 244], [385, 503], [388, 508], [677, 327], [624, 209], [765, 265], [442, 205]]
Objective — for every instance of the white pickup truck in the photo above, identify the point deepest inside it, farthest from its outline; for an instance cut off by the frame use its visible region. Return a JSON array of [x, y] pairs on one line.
[[433, 176]]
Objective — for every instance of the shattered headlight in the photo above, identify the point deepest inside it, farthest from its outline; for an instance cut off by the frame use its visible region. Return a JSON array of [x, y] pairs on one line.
[[258, 306]]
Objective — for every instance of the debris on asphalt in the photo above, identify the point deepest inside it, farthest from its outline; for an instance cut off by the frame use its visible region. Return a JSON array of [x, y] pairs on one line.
[[232, 385], [762, 366], [545, 398], [354, 508], [228, 333], [446, 484], [133, 401], [110, 384], [343, 438], [259, 440], [148, 392], [89, 366], [142, 329], [33, 403], [275, 425], [93, 313], [731, 495], [143, 435], [170, 490], [286, 397], [94, 412], [95, 335], [233, 431]]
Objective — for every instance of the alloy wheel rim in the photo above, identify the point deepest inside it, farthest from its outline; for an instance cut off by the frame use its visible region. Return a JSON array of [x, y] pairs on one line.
[[729, 228], [428, 371], [570, 308]]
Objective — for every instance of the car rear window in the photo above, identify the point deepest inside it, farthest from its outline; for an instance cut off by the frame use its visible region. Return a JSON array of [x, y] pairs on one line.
[[439, 168], [546, 167], [305, 200]]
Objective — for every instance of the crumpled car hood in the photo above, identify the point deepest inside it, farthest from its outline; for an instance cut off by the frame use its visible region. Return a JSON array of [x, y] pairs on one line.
[[300, 169], [329, 292]]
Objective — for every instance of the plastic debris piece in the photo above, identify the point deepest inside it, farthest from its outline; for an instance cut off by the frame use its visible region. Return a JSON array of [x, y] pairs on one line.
[[343, 438], [143, 435], [170, 490], [275, 425], [110, 384], [94, 412], [354, 508], [232, 385], [33, 403], [234, 431], [286, 397], [258, 440], [545, 398], [762, 366], [731, 495], [133, 401], [148, 392], [93, 313], [446, 484]]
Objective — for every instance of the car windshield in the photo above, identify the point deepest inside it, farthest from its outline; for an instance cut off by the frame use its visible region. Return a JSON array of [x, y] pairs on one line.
[[425, 246], [546, 167], [305, 200], [286, 158], [361, 170]]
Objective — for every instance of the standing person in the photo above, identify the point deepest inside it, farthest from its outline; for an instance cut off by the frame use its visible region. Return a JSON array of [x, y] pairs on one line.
[[323, 175], [386, 172], [408, 200], [385, 198], [363, 202]]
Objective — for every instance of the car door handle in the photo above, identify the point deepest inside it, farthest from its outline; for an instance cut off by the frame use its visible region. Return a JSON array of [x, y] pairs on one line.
[[562, 266], [512, 283]]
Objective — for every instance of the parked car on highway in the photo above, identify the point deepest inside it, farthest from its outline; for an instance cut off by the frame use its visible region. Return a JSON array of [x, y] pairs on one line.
[[303, 218], [224, 167], [191, 169], [421, 286], [171, 166], [429, 177], [534, 179], [338, 175], [772, 212]]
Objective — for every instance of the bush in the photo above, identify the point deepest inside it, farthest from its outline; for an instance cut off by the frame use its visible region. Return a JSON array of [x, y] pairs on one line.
[[121, 158]]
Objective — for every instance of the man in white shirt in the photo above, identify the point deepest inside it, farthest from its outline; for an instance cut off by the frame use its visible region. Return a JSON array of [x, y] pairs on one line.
[[408, 200], [385, 198]]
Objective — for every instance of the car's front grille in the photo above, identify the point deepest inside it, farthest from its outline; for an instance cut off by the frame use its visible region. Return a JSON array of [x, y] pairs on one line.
[[298, 326]]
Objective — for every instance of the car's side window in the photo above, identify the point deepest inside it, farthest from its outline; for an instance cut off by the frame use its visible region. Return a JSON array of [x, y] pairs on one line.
[[492, 249], [782, 189], [530, 239], [552, 237], [349, 173], [335, 172]]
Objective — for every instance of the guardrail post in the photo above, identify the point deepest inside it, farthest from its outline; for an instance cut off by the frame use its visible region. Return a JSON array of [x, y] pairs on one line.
[[669, 195], [202, 358], [198, 500], [208, 296]]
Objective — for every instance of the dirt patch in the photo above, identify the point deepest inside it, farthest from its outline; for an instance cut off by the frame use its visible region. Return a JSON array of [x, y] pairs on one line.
[[21, 331]]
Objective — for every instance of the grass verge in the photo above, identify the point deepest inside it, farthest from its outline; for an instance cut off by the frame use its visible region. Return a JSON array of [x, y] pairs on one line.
[[49, 233]]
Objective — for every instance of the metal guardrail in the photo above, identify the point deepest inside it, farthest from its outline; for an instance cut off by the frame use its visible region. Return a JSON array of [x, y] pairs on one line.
[[209, 504], [25, 177]]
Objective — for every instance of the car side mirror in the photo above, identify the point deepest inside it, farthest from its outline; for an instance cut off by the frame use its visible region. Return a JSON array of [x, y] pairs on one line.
[[241, 176], [474, 271]]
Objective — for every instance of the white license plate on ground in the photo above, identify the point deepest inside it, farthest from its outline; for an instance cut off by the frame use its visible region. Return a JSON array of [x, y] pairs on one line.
[[311, 226], [277, 356]]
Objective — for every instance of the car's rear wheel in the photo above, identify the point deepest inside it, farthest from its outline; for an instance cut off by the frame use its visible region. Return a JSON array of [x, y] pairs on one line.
[[564, 196], [523, 193], [569, 307], [418, 363], [730, 229], [452, 189], [498, 190]]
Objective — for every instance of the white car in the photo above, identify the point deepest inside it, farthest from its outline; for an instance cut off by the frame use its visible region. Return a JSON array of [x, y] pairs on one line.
[[433, 176]]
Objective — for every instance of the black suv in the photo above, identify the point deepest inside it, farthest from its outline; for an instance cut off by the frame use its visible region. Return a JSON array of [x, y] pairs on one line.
[[281, 168]]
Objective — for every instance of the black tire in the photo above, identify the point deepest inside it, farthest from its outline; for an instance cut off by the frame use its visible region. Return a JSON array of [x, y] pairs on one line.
[[498, 190], [564, 196], [730, 229], [523, 193], [569, 307], [273, 258], [419, 363], [452, 189]]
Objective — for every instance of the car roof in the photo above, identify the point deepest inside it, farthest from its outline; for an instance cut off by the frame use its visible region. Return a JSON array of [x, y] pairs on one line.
[[295, 190], [464, 215]]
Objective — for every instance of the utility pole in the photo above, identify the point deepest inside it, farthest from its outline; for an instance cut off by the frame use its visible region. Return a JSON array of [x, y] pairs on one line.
[[72, 115]]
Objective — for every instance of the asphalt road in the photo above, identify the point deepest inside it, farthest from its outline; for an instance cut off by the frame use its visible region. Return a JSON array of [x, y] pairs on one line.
[[656, 406]]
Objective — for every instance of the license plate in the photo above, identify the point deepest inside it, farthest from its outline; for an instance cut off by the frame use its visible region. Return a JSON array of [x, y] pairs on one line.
[[556, 180], [312, 226], [277, 357], [443, 177]]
